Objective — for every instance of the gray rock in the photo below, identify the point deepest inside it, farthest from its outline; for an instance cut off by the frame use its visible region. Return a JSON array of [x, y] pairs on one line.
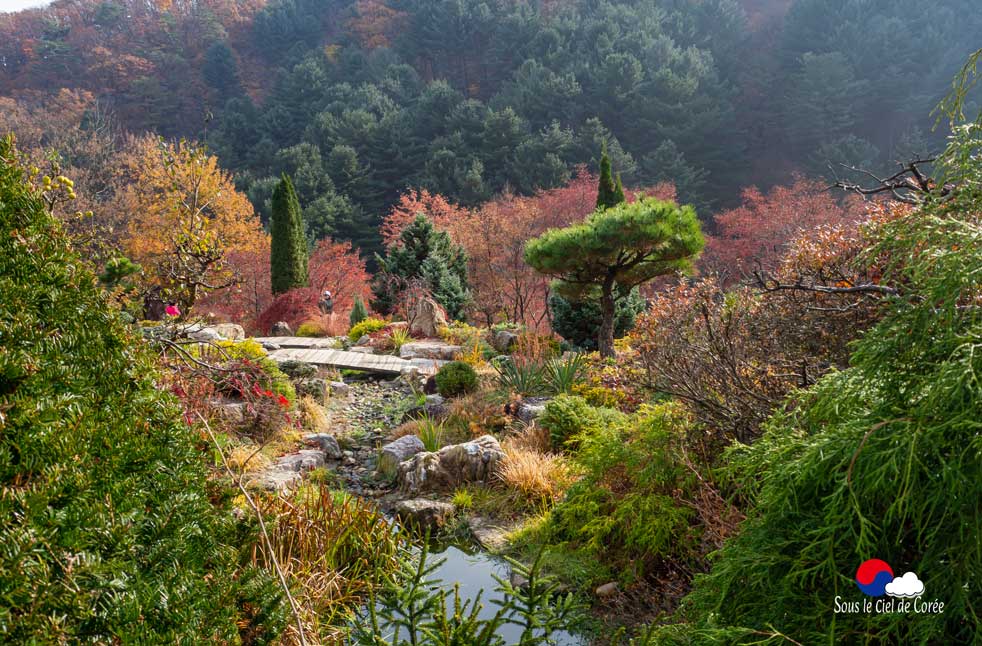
[[231, 331], [269, 346], [301, 461], [232, 412], [435, 399], [504, 340], [280, 328], [607, 590], [339, 388], [314, 387], [363, 349], [204, 335], [435, 407], [423, 515], [489, 535], [517, 581], [473, 461], [394, 453], [426, 317], [326, 442], [429, 350], [427, 366], [278, 480], [530, 408]]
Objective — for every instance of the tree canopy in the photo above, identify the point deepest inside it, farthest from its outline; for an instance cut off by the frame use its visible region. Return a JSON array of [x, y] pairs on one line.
[[623, 246]]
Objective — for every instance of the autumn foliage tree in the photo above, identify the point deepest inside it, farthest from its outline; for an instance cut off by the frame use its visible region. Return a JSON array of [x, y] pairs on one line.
[[186, 219], [757, 232], [503, 286]]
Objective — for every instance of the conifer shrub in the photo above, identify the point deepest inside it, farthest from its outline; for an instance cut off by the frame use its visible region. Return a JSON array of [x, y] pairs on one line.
[[627, 510], [881, 460], [111, 532], [358, 312], [364, 327], [567, 417], [456, 378], [578, 322]]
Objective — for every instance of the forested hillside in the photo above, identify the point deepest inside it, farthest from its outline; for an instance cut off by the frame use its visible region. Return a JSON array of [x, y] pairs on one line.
[[359, 101]]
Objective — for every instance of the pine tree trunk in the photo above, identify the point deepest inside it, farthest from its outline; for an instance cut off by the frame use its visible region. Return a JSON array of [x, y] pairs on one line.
[[606, 340]]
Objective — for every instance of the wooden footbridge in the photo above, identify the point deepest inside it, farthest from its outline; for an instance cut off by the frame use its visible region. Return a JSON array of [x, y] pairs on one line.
[[312, 350]]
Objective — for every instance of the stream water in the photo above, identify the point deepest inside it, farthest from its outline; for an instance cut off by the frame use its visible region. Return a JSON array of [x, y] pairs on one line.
[[474, 571]]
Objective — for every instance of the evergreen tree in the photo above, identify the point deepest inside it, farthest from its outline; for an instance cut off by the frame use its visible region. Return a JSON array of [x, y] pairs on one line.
[[619, 191], [607, 190], [578, 321], [288, 249], [425, 254], [358, 312], [616, 250]]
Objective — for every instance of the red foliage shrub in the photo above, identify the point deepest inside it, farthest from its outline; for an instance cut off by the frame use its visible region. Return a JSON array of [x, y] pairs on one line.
[[338, 267], [293, 308], [758, 231]]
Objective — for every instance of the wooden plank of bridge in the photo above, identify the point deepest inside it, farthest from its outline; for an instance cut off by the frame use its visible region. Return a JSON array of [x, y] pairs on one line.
[[386, 364]]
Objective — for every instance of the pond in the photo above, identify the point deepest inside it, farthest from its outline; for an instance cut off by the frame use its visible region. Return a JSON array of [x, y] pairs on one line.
[[473, 571]]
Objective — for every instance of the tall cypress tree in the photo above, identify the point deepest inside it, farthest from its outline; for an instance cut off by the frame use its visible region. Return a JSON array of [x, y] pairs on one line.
[[288, 248], [607, 190]]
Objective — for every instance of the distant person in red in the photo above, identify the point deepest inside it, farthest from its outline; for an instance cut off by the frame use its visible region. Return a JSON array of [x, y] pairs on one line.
[[326, 303]]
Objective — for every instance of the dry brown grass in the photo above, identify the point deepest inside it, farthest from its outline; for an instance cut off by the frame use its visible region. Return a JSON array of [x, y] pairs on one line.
[[477, 414], [406, 428], [535, 478], [313, 416], [328, 547], [248, 458], [531, 437]]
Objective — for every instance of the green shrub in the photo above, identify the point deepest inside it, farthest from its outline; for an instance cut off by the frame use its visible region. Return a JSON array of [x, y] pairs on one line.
[[311, 329], [456, 378], [881, 460], [568, 416], [579, 323], [625, 511], [111, 531], [358, 312], [367, 326]]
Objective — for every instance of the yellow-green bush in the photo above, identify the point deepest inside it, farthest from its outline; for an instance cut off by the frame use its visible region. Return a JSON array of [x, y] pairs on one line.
[[364, 327]]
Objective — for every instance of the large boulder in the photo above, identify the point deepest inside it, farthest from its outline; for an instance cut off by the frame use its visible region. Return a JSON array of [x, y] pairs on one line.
[[429, 350], [424, 515], [426, 318], [504, 341], [451, 466], [281, 329], [394, 453], [230, 331], [435, 407]]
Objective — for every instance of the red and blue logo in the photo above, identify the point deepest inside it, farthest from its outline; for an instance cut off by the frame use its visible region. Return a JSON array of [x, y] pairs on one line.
[[873, 576]]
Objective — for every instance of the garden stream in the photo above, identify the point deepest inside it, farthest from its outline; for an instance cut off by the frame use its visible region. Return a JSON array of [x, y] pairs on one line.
[[372, 407]]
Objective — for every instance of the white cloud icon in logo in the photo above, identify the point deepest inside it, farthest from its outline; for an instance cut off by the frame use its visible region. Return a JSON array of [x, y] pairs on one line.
[[907, 586]]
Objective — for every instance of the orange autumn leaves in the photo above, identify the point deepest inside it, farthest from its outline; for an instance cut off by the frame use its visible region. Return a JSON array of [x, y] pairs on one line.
[[185, 218]]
